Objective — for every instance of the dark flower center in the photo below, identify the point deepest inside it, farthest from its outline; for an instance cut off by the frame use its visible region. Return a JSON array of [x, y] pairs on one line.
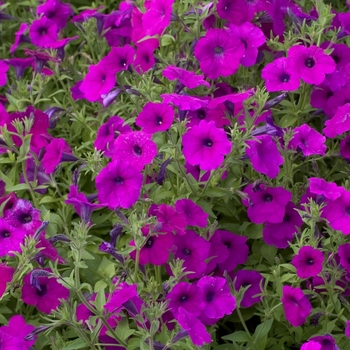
[[183, 298], [118, 180], [326, 342], [347, 210], [218, 51], [210, 296], [310, 62], [336, 58], [309, 261], [159, 120], [201, 114], [186, 251], [227, 244], [123, 62], [24, 218], [146, 58], [244, 42], [137, 150], [103, 78], [267, 198], [43, 290], [207, 143], [284, 78], [42, 31], [5, 234], [293, 300], [50, 14], [286, 218], [149, 242]]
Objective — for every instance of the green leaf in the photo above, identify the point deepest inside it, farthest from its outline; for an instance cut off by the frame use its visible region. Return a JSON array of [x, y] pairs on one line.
[[263, 329], [123, 330], [76, 344], [217, 192], [167, 40], [238, 336], [18, 187], [268, 252]]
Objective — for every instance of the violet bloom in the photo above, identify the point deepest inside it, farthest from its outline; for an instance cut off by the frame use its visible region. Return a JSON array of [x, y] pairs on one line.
[[280, 234], [217, 297], [296, 305], [188, 296], [108, 133], [77, 94], [326, 341], [194, 250], [267, 203], [156, 249], [15, 333], [23, 216], [144, 59], [6, 275], [171, 220], [20, 65], [45, 293], [194, 214], [218, 53], [184, 102], [311, 63], [218, 252], [205, 145], [20, 37], [3, 73], [252, 37], [43, 32], [308, 262], [121, 295], [337, 213], [118, 59], [155, 117], [340, 123], [56, 11], [311, 345], [264, 155], [344, 254], [187, 78], [308, 140], [321, 187], [254, 280], [345, 147], [136, 148], [11, 238], [233, 11], [347, 329], [98, 81], [119, 185], [280, 76]]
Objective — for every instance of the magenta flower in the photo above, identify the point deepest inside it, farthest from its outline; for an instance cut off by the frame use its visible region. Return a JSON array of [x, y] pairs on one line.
[[267, 203], [311, 345], [54, 153], [171, 220], [20, 37], [264, 155], [155, 117], [337, 213], [196, 329], [6, 275], [311, 63], [119, 185], [252, 37], [205, 145], [217, 297], [43, 32], [184, 102], [144, 59], [194, 250], [118, 59], [3, 73], [43, 292], [344, 254], [280, 234], [194, 214], [189, 79], [296, 305], [187, 296], [233, 11], [20, 65], [326, 341], [347, 329], [218, 252], [308, 262], [121, 295], [156, 249], [218, 53], [308, 140], [136, 148], [56, 11], [13, 335], [98, 81], [11, 238], [321, 187], [345, 147], [254, 280], [340, 123]]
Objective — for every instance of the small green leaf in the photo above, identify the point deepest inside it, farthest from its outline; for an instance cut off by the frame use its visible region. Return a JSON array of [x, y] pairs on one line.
[[238, 336]]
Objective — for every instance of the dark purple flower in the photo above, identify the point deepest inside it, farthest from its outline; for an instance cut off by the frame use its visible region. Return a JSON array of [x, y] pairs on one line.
[[43, 32], [171, 220], [340, 122], [118, 59], [308, 262], [187, 78], [233, 11], [184, 102], [56, 11], [20, 37], [11, 238], [326, 341], [194, 214]]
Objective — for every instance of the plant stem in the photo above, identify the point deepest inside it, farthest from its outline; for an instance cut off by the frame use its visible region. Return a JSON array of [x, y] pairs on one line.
[[243, 323], [137, 259], [29, 185]]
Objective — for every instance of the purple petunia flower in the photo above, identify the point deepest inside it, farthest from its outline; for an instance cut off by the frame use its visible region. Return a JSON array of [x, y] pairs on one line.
[[43, 32], [308, 140], [42, 291], [56, 11], [280, 234], [118, 59], [155, 117], [296, 305], [233, 11], [144, 59], [308, 262], [253, 279], [311, 345], [217, 297], [171, 220], [329, 190], [6, 275], [20, 37], [136, 148], [340, 123], [187, 296], [252, 37], [347, 329], [218, 53], [20, 65], [189, 79], [184, 102], [194, 250], [345, 147], [280, 76], [11, 238], [119, 185], [206, 145], [311, 63], [121, 295], [344, 254], [3, 73], [326, 341], [264, 155], [194, 214], [218, 252], [267, 203]]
